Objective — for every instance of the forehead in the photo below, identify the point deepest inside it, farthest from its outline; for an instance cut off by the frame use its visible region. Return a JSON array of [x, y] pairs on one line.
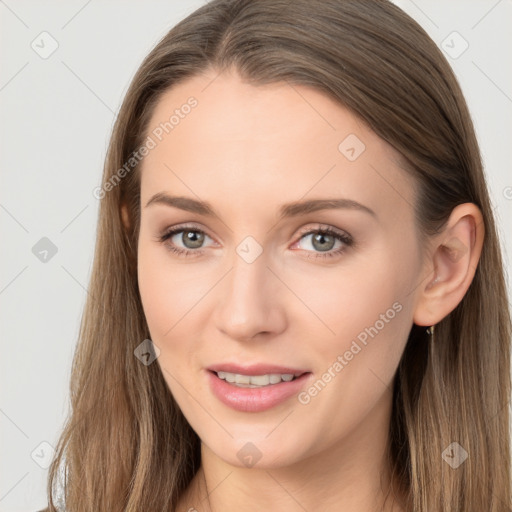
[[216, 136]]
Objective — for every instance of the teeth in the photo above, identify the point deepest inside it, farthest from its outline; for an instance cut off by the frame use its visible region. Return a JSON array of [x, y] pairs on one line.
[[274, 378], [255, 381], [242, 379]]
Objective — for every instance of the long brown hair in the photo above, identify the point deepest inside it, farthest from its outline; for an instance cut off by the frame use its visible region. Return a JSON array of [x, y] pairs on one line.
[[126, 445]]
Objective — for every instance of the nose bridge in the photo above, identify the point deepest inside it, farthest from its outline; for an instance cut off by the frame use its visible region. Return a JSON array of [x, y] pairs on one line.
[[249, 277], [249, 300]]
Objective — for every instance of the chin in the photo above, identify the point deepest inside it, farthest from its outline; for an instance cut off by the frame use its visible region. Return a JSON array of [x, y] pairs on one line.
[[257, 449]]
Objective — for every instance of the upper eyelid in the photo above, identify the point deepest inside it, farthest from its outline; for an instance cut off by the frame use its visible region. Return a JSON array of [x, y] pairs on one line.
[[178, 228]]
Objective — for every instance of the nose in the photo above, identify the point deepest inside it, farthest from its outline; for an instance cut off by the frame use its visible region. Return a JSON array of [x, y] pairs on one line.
[[250, 301]]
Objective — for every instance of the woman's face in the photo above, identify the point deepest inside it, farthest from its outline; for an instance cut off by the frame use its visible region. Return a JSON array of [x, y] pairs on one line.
[[260, 290]]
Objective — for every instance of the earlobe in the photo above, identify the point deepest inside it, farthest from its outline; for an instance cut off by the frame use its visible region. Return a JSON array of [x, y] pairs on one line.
[[452, 265]]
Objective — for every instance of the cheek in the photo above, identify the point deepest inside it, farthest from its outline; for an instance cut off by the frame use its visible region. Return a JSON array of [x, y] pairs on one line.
[[165, 301], [347, 300], [365, 310], [157, 296], [174, 297], [167, 290]]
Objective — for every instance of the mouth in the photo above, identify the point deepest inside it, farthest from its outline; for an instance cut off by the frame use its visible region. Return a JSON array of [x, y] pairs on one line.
[[257, 388]]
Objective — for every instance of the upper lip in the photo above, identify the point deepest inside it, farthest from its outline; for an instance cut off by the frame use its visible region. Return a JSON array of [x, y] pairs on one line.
[[255, 369]]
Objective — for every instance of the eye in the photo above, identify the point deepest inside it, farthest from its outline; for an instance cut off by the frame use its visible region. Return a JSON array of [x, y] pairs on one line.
[[191, 238], [323, 240]]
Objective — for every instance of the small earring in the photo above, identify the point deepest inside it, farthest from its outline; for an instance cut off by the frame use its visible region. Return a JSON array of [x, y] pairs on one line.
[[430, 331]]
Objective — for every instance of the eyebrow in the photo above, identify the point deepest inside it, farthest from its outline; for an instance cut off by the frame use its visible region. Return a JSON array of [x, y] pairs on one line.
[[288, 210]]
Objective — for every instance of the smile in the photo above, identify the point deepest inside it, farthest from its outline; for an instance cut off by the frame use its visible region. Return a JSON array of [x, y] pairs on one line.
[[255, 393]]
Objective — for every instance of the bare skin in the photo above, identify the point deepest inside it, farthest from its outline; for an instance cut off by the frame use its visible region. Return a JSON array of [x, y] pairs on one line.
[[248, 150]]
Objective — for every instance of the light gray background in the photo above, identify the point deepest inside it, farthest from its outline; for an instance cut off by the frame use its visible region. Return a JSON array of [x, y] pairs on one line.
[[56, 116]]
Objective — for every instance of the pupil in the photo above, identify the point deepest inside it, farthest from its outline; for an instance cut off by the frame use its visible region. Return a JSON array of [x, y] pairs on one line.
[[321, 238]]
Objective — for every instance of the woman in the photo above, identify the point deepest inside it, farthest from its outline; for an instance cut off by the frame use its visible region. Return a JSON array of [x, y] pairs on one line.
[[297, 300]]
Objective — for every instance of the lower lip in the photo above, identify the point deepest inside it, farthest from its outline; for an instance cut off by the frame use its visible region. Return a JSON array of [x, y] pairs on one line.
[[255, 399]]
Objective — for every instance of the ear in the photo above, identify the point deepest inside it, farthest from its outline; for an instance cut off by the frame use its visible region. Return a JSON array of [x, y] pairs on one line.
[[125, 216], [452, 266]]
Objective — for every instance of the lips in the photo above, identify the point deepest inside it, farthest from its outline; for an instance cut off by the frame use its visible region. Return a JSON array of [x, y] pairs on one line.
[[259, 398]]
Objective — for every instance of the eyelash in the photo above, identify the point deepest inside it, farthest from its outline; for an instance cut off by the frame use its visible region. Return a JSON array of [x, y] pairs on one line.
[[346, 239]]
